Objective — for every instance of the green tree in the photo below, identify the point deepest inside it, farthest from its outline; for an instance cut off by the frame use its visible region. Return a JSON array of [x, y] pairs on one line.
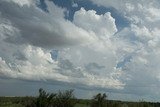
[[61, 99], [100, 100], [65, 99], [43, 100]]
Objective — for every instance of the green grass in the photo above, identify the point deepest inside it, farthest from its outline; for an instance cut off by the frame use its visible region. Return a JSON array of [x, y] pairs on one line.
[[9, 104], [19, 105], [81, 105], [21, 101]]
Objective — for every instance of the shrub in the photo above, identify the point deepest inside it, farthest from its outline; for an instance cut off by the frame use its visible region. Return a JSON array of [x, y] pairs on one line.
[[65, 99], [61, 99], [99, 100]]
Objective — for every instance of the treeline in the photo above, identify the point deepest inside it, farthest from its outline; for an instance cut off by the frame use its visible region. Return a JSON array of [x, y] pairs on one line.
[[60, 99], [67, 99]]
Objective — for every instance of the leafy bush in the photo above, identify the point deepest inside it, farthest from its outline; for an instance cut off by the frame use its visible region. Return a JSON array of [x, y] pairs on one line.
[[65, 99], [99, 100], [61, 99]]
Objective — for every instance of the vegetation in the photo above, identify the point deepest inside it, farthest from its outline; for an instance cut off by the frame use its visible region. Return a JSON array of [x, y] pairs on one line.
[[67, 99], [99, 100], [60, 99]]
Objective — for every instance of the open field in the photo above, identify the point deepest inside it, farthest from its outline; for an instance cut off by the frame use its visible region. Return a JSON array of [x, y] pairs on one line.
[[66, 98], [22, 101]]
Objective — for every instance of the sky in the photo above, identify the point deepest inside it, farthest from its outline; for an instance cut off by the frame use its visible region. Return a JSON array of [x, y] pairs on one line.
[[92, 46]]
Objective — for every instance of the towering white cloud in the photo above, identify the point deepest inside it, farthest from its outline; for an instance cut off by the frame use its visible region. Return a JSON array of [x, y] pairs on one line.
[[28, 35], [137, 44], [91, 50], [102, 25]]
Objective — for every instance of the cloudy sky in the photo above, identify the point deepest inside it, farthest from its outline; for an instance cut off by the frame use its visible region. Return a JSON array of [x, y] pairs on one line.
[[91, 46]]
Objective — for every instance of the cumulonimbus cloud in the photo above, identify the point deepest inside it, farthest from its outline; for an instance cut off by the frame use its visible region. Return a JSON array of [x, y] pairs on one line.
[[92, 52], [28, 35]]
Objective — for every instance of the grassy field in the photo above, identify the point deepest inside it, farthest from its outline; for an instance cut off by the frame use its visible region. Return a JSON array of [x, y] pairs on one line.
[[9, 104], [81, 105], [20, 101], [20, 105], [67, 99]]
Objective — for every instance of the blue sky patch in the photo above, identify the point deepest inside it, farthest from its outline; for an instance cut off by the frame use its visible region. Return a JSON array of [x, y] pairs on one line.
[[121, 22]]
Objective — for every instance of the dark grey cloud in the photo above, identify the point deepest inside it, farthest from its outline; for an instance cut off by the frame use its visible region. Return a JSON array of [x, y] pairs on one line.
[[94, 68], [40, 28], [19, 56]]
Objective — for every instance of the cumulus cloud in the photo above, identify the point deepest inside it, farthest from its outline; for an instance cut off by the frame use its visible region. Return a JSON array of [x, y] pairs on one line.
[[90, 51], [42, 29], [137, 45], [137, 11], [40, 66], [102, 25], [28, 35], [21, 2]]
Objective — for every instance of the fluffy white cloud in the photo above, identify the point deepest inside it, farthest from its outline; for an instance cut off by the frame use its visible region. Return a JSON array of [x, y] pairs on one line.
[[38, 65], [28, 34], [137, 47], [21, 2], [137, 11], [42, 29], [91, 51], [103, 25]]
